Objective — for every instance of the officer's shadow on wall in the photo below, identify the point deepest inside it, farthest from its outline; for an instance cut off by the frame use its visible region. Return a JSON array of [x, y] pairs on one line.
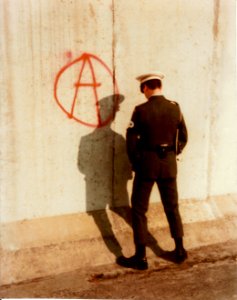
[[102, 158]]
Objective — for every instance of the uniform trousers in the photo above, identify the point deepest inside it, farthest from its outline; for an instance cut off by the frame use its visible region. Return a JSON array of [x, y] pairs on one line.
[[140, 201]]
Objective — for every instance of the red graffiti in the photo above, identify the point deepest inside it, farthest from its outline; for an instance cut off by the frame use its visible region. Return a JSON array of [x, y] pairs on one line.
[[72, 102]]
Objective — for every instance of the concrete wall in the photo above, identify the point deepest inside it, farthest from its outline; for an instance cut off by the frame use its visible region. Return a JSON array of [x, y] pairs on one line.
[[64, 137]]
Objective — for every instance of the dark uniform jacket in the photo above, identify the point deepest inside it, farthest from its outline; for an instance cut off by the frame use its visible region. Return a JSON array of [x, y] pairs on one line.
[[156, 134]]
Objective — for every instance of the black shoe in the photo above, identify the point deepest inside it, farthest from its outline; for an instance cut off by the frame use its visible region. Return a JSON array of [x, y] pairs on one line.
[[132, 262], [180, 255]]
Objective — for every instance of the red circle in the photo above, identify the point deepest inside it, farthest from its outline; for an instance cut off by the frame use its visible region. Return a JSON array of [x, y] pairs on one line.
[[116, 92]]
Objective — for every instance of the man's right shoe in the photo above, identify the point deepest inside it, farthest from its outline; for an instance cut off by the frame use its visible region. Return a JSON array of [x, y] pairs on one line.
[[132, 262]]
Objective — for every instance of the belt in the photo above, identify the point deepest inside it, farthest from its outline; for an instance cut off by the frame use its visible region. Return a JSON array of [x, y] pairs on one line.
[[165, 148], [162, 148]]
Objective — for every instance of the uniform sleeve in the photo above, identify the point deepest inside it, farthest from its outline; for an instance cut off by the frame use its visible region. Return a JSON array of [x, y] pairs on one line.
[[182, 135], [133, 138]]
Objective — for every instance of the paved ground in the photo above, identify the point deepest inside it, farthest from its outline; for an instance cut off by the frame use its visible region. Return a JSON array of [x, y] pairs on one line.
[[210, 273]]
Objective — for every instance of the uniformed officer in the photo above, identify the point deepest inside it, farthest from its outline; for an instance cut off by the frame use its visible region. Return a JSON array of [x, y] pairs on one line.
[[156, 134]]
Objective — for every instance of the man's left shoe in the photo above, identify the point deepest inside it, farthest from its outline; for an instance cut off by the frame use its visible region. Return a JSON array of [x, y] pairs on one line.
[[180, 255], [132, 262]]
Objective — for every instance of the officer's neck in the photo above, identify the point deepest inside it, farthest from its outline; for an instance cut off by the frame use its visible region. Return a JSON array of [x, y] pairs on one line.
[[155, 92]]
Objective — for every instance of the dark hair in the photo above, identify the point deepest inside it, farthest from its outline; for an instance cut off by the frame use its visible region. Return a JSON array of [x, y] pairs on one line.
[[151, 84]]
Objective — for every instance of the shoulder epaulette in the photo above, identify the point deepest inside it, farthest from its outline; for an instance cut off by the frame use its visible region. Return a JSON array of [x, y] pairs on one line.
[[173, 102]]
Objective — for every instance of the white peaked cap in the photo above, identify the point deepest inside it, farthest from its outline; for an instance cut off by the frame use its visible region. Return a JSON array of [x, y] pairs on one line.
[[151, 75]]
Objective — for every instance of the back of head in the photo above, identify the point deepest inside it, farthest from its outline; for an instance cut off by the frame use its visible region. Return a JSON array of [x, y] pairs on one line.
[[151, 84]]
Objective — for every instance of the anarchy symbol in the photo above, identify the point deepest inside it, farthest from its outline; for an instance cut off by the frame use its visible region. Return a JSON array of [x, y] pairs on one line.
[[86, 60]]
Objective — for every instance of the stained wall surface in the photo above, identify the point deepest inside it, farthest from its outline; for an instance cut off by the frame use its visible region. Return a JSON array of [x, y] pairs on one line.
[[63, 129]]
